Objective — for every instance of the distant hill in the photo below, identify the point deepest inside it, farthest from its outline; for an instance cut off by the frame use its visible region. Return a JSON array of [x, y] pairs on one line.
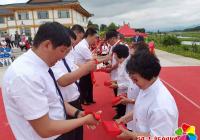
[[197, 28], [188, 29]]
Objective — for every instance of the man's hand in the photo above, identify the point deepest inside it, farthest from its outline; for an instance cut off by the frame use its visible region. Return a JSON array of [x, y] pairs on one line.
[[94, 56], [125, 100], [91, 65], [107, 58], [121, 120], [114, 85], [90, 119]]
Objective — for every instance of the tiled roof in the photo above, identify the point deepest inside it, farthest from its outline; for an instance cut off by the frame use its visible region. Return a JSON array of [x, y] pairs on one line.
[[4, 11], [7, 9]]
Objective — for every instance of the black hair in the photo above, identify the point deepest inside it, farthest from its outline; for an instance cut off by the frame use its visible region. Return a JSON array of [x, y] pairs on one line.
[[145, 64], [141, 46], [71, 33], [90, 32], [122, 51], [111, 34], [53, 31], [78, 28]]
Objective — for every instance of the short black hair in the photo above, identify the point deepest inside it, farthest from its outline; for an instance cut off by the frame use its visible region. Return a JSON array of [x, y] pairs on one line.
[[71, 33], [122, 51], [78, 28], [111, 34], [53, 31], [90, 32], [145, 64]]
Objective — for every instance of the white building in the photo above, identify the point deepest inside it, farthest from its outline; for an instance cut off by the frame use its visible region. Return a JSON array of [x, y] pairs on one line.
[[27, 17]]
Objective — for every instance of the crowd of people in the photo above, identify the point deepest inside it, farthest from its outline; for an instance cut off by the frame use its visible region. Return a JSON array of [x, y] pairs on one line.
[[57, 77], [8, 43], [16, 40]]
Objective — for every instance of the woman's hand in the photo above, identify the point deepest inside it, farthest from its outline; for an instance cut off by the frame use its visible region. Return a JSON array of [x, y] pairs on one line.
[[126, 134]]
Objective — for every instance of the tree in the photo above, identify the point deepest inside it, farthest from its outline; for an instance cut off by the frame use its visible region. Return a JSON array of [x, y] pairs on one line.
[[112, 26], [91, 25], [169, 40], [103, 27]]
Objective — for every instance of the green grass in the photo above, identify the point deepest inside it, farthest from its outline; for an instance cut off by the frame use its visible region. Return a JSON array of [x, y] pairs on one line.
[[190, 39], [192, 51], [187, 34]]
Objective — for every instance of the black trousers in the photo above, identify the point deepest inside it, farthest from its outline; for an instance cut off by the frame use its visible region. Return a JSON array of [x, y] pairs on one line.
[[120, 110], [86, 88], [76, 134], [115, 91]]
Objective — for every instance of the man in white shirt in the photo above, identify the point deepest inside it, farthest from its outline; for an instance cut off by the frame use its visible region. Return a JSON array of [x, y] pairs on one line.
[[79, 32], [71, 93], [83, 54], [112, 40], [155, 112], [34, 105]]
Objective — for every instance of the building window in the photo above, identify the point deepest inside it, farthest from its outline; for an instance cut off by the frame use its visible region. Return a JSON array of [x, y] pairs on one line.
[[43, 15], [23, 16], [63, 14], [25, 30], [11, 18], [2, 20]]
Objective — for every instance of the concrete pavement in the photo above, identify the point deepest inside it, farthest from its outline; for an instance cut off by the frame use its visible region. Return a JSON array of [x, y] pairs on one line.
[[173, 60]]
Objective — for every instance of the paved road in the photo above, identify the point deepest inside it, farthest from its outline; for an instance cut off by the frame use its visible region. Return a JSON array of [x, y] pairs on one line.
[[166, 59], [173, 60]]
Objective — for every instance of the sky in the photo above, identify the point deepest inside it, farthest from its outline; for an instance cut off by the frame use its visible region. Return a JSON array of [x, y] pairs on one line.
[[149, 14]]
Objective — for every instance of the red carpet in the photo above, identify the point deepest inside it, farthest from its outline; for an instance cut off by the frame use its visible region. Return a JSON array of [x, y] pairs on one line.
[[103, 97], [187, 81], [5, 132], [184, 79]]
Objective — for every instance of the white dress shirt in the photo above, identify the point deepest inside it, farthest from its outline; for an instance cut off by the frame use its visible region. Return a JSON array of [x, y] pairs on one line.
[[155, 111], [82, 52], [70, 93], [113, 73], [123, 79], [28, 94], [71, 56], [133, 91]]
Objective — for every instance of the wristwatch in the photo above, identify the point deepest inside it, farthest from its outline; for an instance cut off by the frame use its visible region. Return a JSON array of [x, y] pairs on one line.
[[76, 113]]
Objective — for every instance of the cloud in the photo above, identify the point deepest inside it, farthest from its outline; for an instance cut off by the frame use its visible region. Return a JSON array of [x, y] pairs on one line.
[[11, 1], [150, 14]]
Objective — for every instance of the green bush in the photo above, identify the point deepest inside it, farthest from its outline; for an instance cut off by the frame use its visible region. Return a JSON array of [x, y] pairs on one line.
[[195, 48], [170, 40], [186, 47]]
